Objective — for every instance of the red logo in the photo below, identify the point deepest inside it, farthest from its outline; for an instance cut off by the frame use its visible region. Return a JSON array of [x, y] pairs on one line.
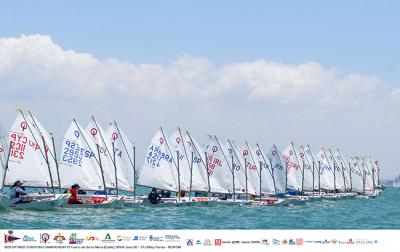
[[24, 125], [93, 131], [161, 140], [114, 136], [218, 242]]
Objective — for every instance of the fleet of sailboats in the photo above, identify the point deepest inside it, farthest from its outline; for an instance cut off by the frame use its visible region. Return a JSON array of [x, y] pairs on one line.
[[103, 163]]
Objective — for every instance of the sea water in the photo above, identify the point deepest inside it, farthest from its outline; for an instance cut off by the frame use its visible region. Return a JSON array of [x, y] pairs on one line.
[[379, 213]]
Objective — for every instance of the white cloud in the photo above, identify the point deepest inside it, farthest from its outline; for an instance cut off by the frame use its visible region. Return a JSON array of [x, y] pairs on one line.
[[38, 63], [259, 101]]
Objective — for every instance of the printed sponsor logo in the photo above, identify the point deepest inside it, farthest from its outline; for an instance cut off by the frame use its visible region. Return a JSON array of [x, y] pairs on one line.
[[292, 242], [44, 238], [255, 242], [276, 242], [235, 242], [350, 241], [265, 242], [92, 238], [218, 242], [123, 238], [207, 242], [172, 238], [334, 241], [326, 241], [198, 242], [284, 241], [139, 238], [59, 238], [108, 239], [74, 240], [27, 238], [299, 241], [244, 242], [9, 237], [189, 242], [156, 238], [225, 242]]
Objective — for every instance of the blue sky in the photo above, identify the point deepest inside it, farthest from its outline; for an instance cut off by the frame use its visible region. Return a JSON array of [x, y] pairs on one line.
[[355, 35], [317, 72]]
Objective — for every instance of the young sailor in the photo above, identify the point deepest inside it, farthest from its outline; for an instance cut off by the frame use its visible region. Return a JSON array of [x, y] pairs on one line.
[[73, 198], [154, 197], [17, 190]]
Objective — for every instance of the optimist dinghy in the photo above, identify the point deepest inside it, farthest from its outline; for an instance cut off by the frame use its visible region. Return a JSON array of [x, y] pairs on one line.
[[28, 161]]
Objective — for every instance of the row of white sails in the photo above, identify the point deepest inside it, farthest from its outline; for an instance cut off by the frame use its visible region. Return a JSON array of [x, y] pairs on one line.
[[179, 163], [89, 156], [101, 160]]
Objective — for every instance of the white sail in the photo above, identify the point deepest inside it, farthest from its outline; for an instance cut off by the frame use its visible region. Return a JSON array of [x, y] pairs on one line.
[[27, 162], [369, 183], [177, 145], [338, 173], [374, 169], [219, 169], [240, 176], [307, 169], [253, 170], [197, 160], [159, 169], [267, 179], [278, 169], [3, 153], [294, 172], [314, 164], [325, 171], [98, 136], [49, 147], [345, 169], [356, 175], [123, 149], [78, 163]]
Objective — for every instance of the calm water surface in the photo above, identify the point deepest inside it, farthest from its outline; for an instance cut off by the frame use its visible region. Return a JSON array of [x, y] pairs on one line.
[[380, 213]]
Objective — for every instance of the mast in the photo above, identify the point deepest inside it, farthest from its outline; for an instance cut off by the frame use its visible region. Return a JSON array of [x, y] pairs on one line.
[[231, 167], [98, 152], [115, 168], [334, 177], [48, 166], [133, 164], [108, 151], [101, 169], [44, 146], [187, 159], [6, 166], [55, 159], [198, 154], [173, 160], [54, 156], [270, 165], [302, 171], [308, 163], [245, 171]]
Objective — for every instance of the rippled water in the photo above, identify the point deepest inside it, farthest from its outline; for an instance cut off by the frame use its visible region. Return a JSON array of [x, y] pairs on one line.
[[380, 213]]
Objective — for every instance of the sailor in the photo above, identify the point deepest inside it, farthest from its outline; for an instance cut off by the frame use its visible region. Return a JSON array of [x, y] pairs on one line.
[[154, 197], [165, 194], [17, 191], [73, 198]]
